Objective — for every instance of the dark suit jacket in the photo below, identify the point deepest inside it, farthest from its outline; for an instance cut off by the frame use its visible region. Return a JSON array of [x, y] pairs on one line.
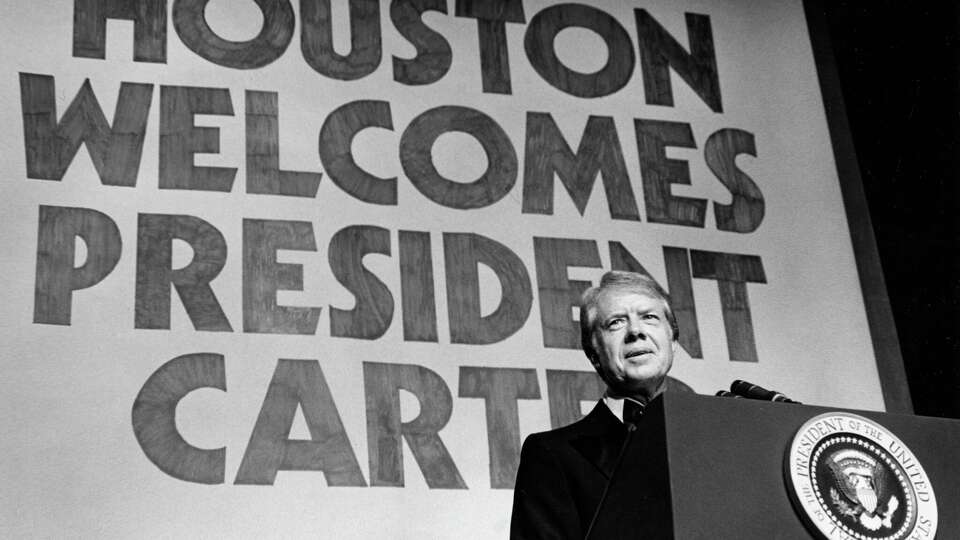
[[562, 475]]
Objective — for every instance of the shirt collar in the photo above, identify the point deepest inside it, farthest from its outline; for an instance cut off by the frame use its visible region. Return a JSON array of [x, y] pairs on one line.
[[615, 404]]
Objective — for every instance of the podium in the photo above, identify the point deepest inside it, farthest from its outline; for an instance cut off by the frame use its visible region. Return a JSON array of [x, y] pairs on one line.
[[703, 467]]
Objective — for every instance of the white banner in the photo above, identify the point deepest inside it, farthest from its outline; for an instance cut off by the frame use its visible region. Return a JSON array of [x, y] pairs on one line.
[[280, 269]]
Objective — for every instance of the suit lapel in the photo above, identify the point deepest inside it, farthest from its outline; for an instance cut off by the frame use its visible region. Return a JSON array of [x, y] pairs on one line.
[[602, 438]]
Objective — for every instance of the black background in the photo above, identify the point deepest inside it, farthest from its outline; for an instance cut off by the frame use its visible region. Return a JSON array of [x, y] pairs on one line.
[[898, 68]]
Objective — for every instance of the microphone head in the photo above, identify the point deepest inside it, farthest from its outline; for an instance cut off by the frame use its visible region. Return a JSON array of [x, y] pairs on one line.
[[741, 387], [751, 391]]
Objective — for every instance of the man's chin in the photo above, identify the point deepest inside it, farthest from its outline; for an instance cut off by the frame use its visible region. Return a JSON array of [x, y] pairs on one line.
[[643, 375]]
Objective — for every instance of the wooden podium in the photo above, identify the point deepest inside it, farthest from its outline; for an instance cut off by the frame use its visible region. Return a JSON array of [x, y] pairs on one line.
[[703, 467]]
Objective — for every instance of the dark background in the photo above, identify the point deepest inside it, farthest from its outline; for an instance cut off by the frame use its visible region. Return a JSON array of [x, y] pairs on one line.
[[898, 68]]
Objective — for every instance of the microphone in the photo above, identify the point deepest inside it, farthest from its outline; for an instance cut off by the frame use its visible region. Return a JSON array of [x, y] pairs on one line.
[[725, 393], [752, 391]]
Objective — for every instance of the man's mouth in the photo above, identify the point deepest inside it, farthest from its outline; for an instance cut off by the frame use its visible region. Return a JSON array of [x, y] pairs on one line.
[[633, 354]]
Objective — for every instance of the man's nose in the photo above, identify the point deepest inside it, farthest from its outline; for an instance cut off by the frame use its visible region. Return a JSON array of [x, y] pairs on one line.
[[635, 331]]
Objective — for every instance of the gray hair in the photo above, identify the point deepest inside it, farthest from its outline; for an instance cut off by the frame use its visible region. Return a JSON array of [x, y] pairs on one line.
[[624, 281]]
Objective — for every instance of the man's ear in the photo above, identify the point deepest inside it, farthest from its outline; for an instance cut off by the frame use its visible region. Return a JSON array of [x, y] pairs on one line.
[[675, 346]]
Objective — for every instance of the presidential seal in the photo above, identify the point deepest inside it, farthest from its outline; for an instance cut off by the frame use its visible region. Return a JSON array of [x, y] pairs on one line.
[[851, 479]]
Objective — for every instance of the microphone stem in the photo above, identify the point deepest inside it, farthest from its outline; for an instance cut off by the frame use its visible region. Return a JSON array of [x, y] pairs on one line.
[[631, 428]]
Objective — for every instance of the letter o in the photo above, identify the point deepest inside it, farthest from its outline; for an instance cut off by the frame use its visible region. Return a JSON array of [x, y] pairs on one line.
[[416, 157], [543, 30], [270, 43]]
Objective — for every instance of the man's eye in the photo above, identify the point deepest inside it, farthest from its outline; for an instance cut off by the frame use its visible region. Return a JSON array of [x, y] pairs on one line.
[[614, 324], [651, 317]]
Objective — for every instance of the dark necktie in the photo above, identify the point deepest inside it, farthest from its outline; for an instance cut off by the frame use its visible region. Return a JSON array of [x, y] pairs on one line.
[[632, 411]]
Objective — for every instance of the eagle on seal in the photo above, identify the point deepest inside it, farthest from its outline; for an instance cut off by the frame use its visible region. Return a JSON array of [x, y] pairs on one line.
[[864, 482]]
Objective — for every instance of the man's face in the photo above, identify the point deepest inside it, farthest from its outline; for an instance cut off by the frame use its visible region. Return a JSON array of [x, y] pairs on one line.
[[633, 342]]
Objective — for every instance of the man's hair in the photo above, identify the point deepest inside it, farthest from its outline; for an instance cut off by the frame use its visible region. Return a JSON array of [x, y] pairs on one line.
[[624, 281]]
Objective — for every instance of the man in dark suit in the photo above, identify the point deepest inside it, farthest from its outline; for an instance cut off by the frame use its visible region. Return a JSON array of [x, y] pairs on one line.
[[629, 333]]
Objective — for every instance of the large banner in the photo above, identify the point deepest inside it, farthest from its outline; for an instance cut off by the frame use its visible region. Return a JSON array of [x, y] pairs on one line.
[[280, 269]]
